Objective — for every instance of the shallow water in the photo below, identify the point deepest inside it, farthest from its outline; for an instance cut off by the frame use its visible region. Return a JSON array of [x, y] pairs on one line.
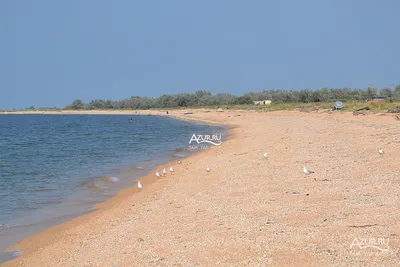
[[56, 167]]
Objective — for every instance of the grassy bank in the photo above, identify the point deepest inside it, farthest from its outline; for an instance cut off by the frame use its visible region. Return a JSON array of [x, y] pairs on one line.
[[378, 106], [349, 106]]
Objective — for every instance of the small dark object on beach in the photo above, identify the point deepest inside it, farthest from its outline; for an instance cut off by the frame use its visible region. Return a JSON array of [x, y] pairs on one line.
[[186, 113], [167, 111], [362, 112], [365, 108], [309, 109]]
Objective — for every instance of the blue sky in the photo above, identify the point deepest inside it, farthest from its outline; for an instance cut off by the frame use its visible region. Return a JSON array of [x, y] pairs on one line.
[[52, 52]]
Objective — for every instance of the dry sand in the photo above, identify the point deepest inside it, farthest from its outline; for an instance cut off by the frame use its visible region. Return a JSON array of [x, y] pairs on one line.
[[249, 211]]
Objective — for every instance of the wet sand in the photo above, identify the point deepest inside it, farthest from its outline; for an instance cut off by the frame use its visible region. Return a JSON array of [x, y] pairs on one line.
[[250, 211]]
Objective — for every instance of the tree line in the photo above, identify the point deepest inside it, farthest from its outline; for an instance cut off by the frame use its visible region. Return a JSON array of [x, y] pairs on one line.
[[206, 98]]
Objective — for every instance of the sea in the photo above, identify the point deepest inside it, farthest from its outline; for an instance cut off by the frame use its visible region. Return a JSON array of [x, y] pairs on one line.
[[57, 167]]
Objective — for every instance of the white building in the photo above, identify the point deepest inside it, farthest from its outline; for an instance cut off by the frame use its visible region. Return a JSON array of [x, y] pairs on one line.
[[263, 102]]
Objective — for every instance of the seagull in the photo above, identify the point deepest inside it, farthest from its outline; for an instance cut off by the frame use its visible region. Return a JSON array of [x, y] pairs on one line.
[[208, 169], [266, 155], [158, 174], [171, 169], [307, 171], [139, 185], [380, 151], [179, 162], [164, 172]]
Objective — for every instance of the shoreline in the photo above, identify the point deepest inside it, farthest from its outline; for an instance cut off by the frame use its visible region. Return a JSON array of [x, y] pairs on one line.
[[249, 210], [44, 237]]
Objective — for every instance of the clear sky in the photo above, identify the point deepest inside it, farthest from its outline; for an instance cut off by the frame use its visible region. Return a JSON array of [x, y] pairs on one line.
[[52, 52]]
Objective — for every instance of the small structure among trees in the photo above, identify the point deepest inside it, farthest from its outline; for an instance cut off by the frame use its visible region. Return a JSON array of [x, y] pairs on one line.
[[262, 102]]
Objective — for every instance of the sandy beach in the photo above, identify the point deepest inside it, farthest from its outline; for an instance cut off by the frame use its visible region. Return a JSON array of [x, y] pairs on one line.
[[248, 210]]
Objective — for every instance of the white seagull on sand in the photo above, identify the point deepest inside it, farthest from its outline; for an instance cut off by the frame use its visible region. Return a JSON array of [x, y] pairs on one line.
[[208, 169], [158, 174], [380, 151], [139, 185], [266, 155], [171, 169], [164, 172], [307, 171], [179, 162]]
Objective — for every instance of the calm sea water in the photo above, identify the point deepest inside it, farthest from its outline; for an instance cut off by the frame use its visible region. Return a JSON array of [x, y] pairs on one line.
[[55, 167]]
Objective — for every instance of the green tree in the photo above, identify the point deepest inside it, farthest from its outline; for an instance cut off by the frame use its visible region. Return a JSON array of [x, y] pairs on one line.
[[76, 105], [370, 93], [397, 89], [97, 104], [225, 99], [242, 100], [387, 92], [306, 95]]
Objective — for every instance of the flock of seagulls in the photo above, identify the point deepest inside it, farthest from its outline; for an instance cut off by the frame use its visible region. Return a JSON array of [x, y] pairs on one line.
[[164, 172], [171, 169]]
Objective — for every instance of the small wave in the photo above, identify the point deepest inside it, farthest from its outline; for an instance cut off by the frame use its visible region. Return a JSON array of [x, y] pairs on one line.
[[42, 189], [3, 227], [96, 187], [133, 169], [179, 155], [103, 178], [113, 179], [136, 168], [108, 179], [181, 149]]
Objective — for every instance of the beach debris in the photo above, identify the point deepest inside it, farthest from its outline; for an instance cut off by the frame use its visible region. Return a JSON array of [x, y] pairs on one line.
[[362, 112], [364, 108], [187, 113], [220, 110], [171, 169], [394, 109], [179, 162], [398, 117], [158, 174], [363, 226], [380, 151], [307, 171], [139, 185], [113, 179], [208, 169], [266, 155], [164, 172], [309, 109]]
